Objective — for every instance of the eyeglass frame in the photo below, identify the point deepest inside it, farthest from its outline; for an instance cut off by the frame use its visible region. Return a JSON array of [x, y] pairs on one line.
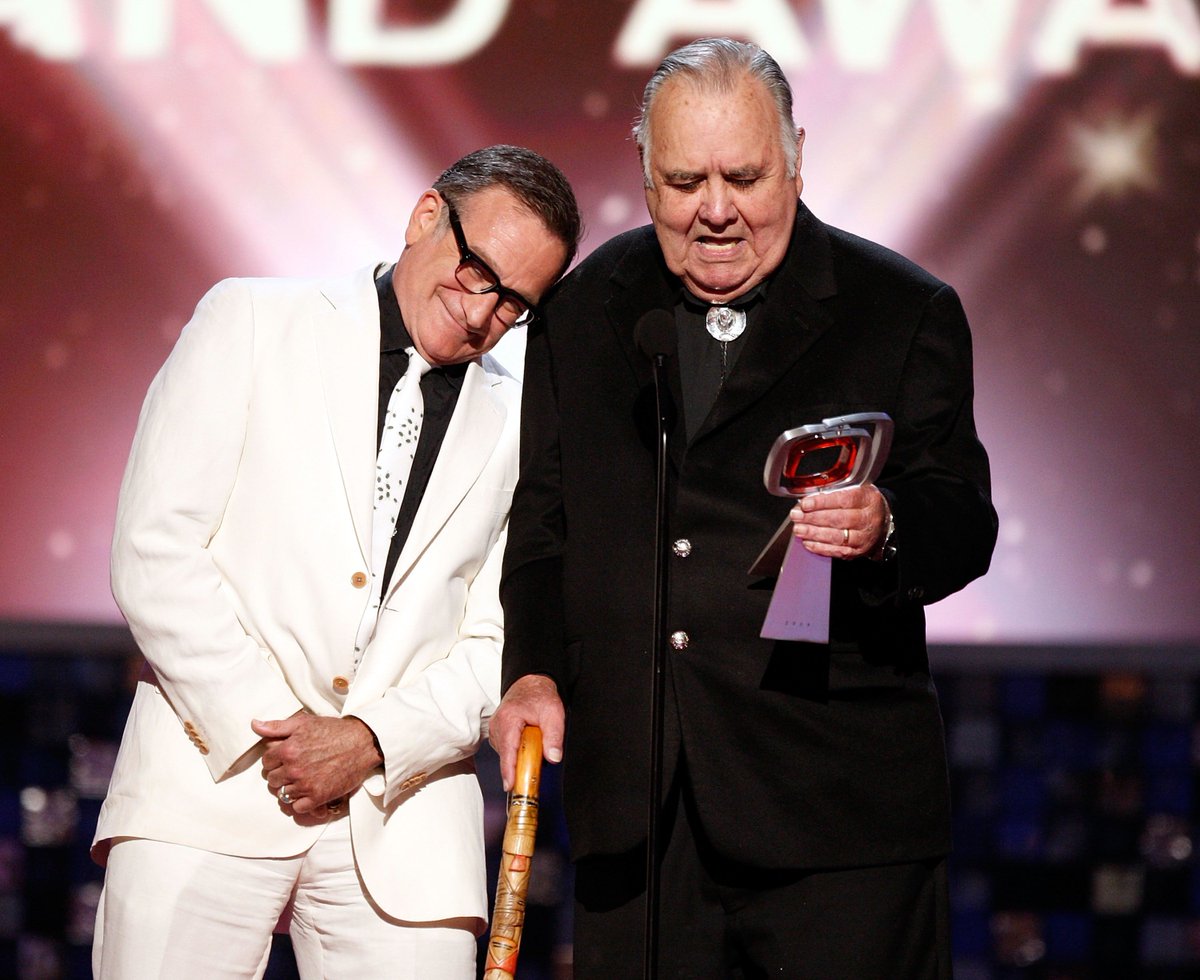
[[467, 256]]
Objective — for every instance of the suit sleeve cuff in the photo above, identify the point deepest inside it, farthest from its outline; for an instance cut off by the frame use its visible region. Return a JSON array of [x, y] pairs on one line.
[[533, 622]]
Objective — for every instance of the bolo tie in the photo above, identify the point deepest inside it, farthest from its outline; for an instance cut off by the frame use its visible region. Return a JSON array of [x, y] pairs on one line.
[[724, 324]]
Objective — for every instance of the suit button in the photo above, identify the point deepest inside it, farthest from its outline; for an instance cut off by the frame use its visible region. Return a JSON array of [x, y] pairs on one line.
[[358, 580], [916, 592], [680, 640], [340, 684], [682, 548], [412, 781]]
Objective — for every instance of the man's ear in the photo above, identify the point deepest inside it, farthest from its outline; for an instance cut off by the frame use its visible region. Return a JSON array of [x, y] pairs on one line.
[[799, 160], [647, 185], [424, 216]]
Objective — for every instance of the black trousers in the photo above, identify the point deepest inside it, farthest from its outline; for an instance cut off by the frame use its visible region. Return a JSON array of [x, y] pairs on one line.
[[719, 920]]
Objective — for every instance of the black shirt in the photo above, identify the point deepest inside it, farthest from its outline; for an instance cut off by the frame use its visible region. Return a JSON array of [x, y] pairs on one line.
[[440, 387], [704, 362]]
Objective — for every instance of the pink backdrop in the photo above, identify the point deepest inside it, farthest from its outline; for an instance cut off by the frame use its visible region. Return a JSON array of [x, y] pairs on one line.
[[1041, 155]]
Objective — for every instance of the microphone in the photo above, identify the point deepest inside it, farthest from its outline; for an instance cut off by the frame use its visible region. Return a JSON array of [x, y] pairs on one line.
[[656, 338], [655, 334]]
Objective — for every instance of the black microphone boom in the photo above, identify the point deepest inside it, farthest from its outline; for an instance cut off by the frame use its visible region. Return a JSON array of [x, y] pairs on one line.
[[655, 337]]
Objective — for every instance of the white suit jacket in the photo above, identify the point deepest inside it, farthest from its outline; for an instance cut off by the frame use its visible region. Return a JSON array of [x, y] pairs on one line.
[[241, 550]]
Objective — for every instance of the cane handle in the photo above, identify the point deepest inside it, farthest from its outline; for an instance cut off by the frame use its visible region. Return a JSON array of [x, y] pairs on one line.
[[529, 762]]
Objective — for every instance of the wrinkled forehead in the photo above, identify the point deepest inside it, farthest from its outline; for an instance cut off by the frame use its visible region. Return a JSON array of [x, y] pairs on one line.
[[694, 117]]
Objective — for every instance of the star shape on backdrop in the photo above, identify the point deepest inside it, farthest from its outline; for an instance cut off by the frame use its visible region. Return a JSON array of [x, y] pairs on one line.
[[1115, 157]]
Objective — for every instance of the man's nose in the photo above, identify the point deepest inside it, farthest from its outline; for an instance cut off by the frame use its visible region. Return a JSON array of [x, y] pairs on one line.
[[478, 309], [716, 204]]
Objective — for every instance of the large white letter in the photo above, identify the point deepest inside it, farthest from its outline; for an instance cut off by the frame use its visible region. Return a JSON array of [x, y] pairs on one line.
[[268, 30], [653, 26], [356, 37], [863, 32], [50, 28], [976, 32], [1170, 24]]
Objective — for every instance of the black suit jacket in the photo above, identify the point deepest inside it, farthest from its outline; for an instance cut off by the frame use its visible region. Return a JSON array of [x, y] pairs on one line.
[[799, 755]]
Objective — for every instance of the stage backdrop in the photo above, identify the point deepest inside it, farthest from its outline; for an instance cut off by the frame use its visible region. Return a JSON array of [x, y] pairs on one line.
[[1043, 156]]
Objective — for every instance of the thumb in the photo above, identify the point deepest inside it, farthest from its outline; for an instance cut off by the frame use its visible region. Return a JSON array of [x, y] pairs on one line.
[[552, 743], [272, 729], [553, 725]]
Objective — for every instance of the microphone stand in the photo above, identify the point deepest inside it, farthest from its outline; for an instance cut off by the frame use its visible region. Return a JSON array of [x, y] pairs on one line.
[[658, 666]]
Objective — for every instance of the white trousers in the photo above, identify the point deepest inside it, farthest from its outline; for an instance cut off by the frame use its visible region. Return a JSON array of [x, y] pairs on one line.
[[170, 911]]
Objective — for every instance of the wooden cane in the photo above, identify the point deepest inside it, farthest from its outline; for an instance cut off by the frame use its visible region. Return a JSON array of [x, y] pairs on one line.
[[508, 919]]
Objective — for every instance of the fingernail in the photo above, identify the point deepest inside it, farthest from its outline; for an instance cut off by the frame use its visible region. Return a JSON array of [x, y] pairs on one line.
[[554, 755]]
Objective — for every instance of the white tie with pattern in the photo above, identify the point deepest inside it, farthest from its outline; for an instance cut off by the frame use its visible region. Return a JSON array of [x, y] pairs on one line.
[[401, 429]]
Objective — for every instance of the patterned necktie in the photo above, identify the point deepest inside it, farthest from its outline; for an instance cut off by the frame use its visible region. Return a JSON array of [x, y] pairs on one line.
[[401, 429]]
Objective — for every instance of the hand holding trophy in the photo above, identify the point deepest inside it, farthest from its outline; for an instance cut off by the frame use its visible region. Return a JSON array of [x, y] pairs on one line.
[[834, 454]]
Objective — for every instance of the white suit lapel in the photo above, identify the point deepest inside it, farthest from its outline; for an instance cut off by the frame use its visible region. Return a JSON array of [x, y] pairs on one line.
[[471, 438], [347, 346]]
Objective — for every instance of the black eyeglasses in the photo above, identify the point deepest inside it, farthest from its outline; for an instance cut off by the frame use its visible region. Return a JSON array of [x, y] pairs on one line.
[[476, 276]]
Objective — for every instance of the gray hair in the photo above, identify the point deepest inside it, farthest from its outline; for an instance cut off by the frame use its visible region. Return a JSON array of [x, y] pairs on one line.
[[719, 64], [529, 177]]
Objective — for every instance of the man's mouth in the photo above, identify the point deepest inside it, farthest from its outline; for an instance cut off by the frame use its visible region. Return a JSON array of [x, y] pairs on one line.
[[718, 244]]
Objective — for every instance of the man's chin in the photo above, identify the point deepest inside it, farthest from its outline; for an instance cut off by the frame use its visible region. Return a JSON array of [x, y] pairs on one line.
[[719, 290]]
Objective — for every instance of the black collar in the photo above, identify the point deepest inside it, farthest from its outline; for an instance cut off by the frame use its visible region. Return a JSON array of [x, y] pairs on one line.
[[393, 335]]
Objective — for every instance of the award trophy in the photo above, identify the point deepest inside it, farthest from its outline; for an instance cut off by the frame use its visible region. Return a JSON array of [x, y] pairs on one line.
[[834, 454]]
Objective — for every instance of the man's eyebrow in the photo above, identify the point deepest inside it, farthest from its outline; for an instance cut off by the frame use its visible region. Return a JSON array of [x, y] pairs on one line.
[[748, 172], [480, 257], [745, 173]]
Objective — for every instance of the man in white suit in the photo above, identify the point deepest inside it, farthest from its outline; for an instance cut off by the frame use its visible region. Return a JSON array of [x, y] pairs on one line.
[[299, 749]]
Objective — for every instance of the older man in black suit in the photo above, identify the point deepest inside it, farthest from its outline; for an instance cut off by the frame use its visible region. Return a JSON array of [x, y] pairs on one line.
[[806, 818]]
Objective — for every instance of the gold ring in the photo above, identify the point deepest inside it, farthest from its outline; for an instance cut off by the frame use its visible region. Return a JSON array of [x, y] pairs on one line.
[[845, 536]]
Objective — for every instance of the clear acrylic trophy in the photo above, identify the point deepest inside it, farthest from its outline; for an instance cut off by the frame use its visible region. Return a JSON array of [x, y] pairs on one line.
[[834, 454]]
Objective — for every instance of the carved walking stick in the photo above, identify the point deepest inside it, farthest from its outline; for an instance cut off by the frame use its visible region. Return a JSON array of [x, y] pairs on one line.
[[508, 919]]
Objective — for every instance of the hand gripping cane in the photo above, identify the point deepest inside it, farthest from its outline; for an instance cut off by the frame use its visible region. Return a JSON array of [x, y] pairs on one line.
[[508, 919]]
